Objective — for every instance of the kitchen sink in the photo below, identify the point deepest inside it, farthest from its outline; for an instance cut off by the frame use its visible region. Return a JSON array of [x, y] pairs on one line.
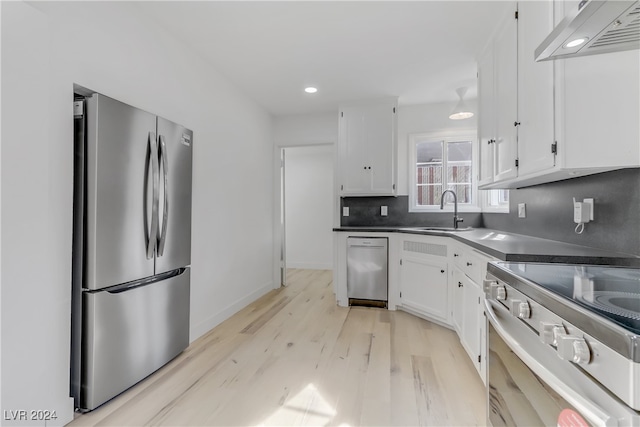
[[447, 229]]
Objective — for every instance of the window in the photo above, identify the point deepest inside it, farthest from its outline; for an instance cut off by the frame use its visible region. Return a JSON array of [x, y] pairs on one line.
[[495, 200], [447, 161], [439, 164]]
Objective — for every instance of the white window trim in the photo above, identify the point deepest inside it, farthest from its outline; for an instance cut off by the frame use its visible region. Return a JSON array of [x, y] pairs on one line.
[[446, 136], [486, 207]]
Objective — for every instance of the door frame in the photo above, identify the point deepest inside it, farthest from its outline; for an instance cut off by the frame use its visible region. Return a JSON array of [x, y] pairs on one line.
[[279, 217]]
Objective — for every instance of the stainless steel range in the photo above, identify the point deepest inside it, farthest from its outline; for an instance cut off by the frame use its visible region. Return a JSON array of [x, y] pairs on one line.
[[564, 344]]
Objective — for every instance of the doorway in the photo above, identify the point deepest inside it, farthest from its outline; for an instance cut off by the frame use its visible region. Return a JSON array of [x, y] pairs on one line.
[[306, 208]]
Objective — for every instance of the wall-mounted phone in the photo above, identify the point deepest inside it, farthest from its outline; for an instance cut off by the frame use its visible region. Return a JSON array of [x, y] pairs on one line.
[[582, 213]]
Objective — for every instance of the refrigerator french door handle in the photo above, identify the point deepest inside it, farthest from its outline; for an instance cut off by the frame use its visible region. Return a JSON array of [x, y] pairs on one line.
[[165, 210], [153, 159]]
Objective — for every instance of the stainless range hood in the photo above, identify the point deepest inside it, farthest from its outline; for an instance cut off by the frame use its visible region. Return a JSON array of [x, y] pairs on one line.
[[605, 26]]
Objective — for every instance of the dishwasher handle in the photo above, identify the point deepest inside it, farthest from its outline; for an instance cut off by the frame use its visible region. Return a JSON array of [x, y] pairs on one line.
[[364, 242]]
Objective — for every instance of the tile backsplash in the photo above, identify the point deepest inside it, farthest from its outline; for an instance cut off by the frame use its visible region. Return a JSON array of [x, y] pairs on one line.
[[549, 212], [365, 211], [549, 208]]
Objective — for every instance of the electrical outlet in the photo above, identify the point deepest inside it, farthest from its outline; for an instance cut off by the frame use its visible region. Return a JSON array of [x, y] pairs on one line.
[[383, 210], [522, 210], [345, 211]]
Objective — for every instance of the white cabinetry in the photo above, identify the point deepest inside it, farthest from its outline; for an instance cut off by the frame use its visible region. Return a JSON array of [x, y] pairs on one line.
[[497, 90], [423, 277], [535, 90], [506, 74], [573, 117], [367, 148], [470, 267], [457, 305], [486, 117]]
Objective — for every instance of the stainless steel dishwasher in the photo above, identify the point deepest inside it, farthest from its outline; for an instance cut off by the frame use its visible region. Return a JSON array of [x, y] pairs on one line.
[[367, 279]]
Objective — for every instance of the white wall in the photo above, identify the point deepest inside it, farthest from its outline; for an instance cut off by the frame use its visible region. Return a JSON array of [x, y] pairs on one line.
[[305, 129], [309, 207], [110, 48]]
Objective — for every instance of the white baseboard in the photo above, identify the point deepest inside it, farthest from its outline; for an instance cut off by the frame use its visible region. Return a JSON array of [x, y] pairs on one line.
[[203, 327], [310, 265]]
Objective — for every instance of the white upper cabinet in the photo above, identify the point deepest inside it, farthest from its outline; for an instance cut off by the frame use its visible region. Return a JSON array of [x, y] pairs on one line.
[[486, 117], [574, 117], [367, 148], [506, 88], [536, 149], [497, 97]]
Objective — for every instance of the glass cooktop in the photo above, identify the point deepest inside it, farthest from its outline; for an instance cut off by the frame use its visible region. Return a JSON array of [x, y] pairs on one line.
[[612, 292]]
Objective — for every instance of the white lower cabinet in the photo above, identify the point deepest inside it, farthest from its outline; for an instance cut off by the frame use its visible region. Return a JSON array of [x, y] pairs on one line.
[[471, 325], [423, 275], [467, 309], [424, 287], [457, 305]]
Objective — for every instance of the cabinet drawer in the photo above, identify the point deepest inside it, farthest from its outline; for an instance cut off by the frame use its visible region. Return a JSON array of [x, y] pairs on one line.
[[472, 263], [472, 266]]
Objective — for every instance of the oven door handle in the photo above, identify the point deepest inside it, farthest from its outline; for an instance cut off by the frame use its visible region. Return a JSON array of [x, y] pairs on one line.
[[523, 349]]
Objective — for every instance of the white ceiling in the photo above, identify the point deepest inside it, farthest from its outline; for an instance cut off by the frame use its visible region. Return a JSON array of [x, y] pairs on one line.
[[420, 51]]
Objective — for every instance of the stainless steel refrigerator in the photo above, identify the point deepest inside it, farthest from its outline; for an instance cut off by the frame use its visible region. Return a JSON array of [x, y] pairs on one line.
[[131, 246]]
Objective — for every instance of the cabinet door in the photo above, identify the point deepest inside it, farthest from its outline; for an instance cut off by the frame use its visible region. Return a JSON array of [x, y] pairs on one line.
[[380, 147], [367, 148], [424, 287], [506, 69], [353, 163], [535, 89], [458, 301], [486, 117], [471, 330]]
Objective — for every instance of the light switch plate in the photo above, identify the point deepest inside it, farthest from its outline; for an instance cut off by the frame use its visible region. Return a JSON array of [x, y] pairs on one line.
[[345, 211], [522, 210], [383, 210]]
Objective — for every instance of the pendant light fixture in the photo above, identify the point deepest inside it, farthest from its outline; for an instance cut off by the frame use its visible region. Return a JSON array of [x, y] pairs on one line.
[[461, 111]]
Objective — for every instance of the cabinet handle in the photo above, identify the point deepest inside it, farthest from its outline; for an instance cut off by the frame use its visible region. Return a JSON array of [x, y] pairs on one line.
[[469, 264], [441, 271], [491, 141], [459, 284], [455, 255], [516, 123]]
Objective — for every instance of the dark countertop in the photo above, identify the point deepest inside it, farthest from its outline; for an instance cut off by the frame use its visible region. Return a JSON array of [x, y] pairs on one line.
[[517, 247]]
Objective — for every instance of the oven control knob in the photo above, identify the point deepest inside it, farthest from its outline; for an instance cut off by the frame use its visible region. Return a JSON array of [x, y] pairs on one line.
[[524, 310], [574, 349], [488, 284], [549, 332], [495, 290], [581, 352]]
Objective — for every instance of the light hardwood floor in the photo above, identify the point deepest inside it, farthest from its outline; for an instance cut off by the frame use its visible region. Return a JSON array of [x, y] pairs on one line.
[[295, 358]]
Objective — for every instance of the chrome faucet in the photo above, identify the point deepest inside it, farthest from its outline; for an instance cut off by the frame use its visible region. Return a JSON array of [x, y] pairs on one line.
[[456, 219]]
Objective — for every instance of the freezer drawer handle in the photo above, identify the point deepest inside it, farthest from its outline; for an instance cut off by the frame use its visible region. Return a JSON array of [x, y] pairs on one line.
[[152, 157], [165, 191], [142, 282]]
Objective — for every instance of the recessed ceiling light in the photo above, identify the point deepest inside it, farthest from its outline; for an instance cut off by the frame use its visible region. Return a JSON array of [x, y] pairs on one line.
[[575, 42], [310, 89]]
